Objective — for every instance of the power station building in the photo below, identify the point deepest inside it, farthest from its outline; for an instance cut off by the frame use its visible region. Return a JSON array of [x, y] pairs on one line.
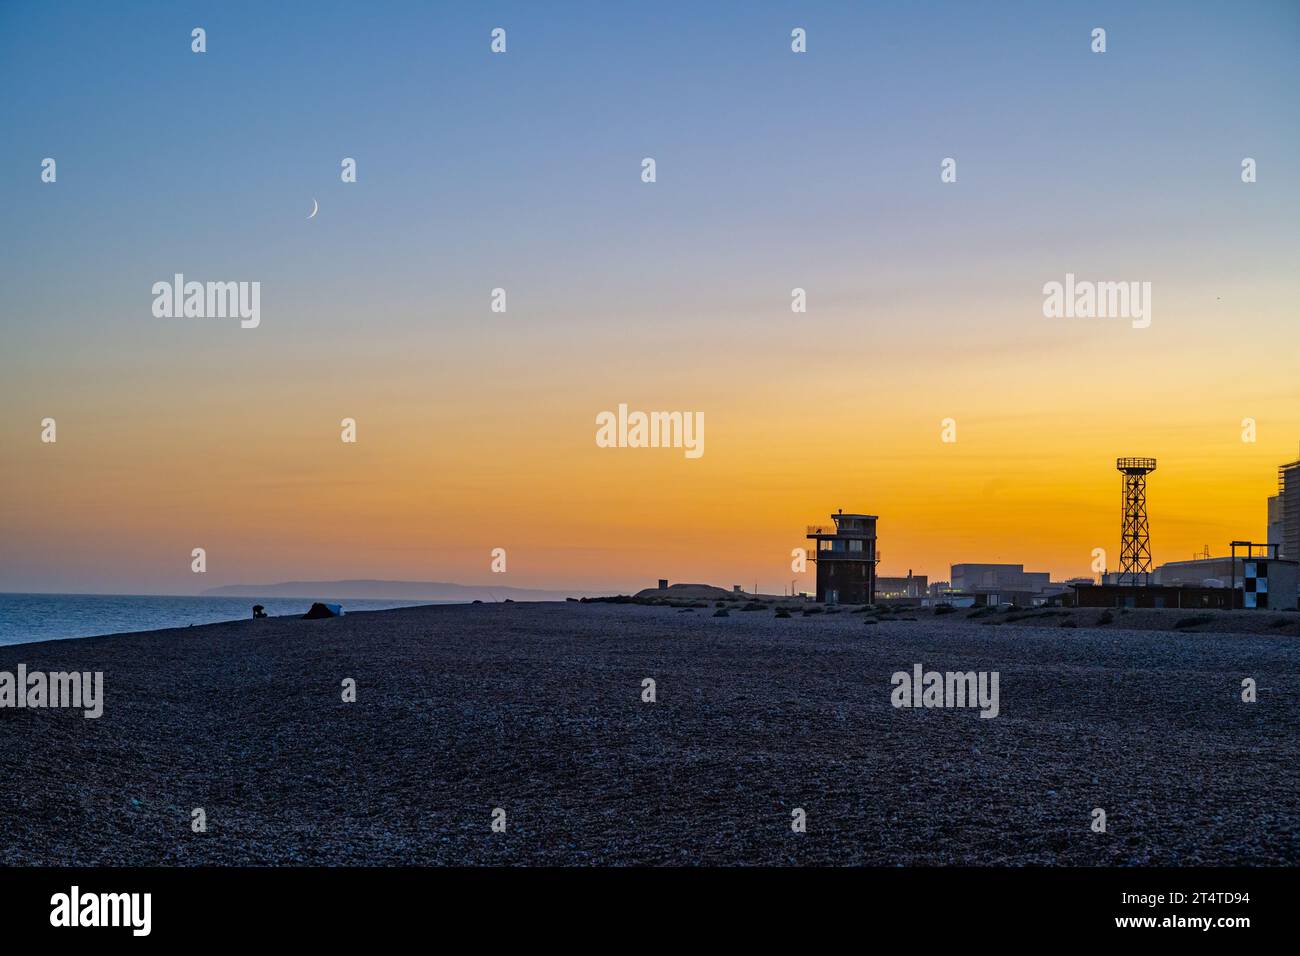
[[998, 577], [845, 555], [1284, 512]]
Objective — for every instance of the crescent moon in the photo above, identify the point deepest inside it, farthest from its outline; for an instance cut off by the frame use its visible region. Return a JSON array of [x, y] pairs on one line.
[[315, 208]]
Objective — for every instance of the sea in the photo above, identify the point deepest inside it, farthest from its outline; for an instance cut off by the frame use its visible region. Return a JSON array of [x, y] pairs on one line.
[[49, 617]]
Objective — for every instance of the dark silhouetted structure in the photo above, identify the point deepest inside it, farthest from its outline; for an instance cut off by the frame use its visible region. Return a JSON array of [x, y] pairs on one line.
[[1135, 533], [1176, 596], [845, 554]]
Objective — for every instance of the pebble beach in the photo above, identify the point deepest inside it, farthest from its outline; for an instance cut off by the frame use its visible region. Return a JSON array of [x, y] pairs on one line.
[[538, 710]]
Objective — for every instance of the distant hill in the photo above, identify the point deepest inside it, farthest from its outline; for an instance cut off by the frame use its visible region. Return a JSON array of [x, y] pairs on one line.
[[394, 591]]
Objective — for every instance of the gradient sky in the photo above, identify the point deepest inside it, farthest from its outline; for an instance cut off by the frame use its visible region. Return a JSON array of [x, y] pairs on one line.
[[522, 171]]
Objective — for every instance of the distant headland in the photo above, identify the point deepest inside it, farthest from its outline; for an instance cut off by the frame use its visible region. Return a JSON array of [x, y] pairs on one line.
[[395, 590]]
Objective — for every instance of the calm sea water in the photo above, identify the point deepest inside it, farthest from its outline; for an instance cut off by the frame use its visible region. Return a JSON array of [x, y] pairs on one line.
[[47, 617]]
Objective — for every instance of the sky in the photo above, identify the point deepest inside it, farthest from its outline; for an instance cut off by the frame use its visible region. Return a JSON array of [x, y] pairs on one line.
[[775, 170]]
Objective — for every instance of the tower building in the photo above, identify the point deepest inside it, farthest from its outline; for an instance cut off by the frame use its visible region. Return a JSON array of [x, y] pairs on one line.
[[845, 555]]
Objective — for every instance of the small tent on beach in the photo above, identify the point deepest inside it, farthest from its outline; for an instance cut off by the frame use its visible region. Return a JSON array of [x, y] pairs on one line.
[[319, 610]]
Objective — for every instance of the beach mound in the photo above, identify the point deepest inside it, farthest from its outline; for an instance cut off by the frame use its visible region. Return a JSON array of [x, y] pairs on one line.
[[689, 592]]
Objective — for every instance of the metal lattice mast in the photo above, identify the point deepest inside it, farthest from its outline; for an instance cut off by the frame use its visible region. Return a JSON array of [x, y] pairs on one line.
[[1135, 531]]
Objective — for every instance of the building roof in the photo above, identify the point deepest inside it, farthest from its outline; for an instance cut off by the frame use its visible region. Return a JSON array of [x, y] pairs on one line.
[[1193, 562]]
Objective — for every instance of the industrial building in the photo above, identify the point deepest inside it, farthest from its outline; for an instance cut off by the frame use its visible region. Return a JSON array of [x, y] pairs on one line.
[[913, 587], [1284, 512], [978, 585], [1202, 572], [1151, 595], [998, 577], [1251, 576], [845, 555], [1275, 520]]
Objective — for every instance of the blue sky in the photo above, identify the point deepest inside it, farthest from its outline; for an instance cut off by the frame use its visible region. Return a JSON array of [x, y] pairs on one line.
[[472, 165]]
